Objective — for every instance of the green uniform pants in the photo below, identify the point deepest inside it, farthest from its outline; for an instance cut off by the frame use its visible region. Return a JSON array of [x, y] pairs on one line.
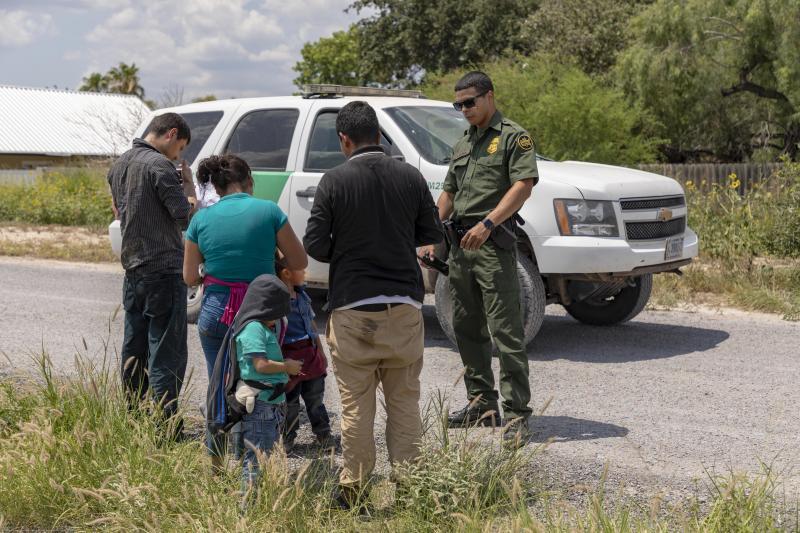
[[486, 297]]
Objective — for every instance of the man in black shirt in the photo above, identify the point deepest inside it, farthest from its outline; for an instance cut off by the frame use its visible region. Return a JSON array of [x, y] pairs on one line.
[[369, 214], [154, 202]]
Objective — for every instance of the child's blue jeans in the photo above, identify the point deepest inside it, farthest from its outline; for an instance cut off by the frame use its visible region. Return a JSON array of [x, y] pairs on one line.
[[261, 429]]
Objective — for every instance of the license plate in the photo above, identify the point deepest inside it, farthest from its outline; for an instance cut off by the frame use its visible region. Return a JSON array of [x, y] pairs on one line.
[[674, 248]]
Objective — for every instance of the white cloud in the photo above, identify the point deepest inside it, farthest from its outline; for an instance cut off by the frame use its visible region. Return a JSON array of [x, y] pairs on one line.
[[20, 28]]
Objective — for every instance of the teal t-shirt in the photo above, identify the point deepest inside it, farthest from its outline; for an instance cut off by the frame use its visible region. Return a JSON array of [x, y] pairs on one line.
[[237, 237], [256, 338]]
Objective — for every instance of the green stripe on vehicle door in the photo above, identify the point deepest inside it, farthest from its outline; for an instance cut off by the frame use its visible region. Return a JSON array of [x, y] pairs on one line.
[[269, 184]]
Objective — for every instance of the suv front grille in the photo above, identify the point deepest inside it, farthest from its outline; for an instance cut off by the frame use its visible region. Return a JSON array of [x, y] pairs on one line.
[[652, 203], [642, 231]]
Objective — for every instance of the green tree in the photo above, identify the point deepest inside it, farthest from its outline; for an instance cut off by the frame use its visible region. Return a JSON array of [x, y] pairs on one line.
[[721, 76], [95, 82], [405, 38], [124, 79], [591, 33], [334, 59], [569, 114], [206, 98]]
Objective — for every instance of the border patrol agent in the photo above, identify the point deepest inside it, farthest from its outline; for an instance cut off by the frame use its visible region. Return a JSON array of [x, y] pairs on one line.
[[491, 175]]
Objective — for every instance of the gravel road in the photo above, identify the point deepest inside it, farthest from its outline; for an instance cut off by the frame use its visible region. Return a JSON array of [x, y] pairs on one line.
[[657, 401]]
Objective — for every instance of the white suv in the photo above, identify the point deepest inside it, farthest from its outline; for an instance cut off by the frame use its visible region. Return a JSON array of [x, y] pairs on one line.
[[593, 235]]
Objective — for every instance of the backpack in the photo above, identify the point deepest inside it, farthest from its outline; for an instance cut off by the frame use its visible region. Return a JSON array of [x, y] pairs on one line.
[[223, 410]]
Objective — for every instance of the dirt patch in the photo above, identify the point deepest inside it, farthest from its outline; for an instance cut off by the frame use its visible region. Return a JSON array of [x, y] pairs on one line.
[[56, 242]]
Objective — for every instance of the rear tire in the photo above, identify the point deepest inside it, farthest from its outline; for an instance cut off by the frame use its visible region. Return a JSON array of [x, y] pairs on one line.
[[532, 296], [621, 307]]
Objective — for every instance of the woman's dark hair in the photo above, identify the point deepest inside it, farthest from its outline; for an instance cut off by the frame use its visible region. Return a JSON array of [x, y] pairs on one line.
[[477, 79], [358, 121], [222, 170]]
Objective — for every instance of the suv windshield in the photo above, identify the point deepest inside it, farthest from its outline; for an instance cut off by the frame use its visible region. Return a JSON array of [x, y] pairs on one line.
[[433, 130]]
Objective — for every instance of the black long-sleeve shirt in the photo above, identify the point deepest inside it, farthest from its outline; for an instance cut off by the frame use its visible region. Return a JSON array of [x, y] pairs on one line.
[[369, 215], [153, 209]]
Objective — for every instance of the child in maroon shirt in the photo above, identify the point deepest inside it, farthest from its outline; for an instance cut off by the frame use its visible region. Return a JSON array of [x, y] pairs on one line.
[[302, 343]]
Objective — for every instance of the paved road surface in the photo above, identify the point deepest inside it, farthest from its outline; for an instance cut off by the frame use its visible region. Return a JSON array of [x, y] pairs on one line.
[[657, 400]]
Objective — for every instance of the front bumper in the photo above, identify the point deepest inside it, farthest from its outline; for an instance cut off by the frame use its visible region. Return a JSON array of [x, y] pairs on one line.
[[589, 255]]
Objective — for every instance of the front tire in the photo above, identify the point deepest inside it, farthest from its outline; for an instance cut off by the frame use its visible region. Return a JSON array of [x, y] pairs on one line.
[[194, 300], [616, 309], [532, 297]]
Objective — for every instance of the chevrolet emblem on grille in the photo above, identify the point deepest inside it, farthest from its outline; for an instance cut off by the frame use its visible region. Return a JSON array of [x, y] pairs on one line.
[[664, 214]]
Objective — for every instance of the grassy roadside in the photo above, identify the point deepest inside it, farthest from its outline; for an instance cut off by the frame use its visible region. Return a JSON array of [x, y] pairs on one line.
[[766, 285], [71, 456], [67, 243]]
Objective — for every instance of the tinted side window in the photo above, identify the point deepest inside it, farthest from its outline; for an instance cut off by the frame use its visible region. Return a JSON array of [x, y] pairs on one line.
[[262, 138], [324, 151], [201, 125]]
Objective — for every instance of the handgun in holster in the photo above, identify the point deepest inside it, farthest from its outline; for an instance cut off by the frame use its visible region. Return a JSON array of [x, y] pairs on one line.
[[452, 233]]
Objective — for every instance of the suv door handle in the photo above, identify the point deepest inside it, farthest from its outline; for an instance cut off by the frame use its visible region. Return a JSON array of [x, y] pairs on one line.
[[307, 193]]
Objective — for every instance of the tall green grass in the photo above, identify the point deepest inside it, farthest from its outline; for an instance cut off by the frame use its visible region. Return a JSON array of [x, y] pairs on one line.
[[73, 197], [73, 457]]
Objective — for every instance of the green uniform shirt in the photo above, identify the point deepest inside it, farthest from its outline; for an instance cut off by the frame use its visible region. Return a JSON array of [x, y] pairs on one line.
[[256, 338], [485, 163]]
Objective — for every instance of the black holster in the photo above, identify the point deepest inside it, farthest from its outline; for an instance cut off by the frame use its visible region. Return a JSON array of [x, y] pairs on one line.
[[504, 235], [452, 233]]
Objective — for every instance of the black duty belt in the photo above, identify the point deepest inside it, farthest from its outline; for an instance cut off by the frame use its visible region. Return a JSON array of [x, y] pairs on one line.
[[375, 308]]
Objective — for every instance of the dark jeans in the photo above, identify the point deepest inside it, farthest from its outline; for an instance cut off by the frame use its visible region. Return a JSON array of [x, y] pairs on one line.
[[261, 429], [154, 351], [312, 392]]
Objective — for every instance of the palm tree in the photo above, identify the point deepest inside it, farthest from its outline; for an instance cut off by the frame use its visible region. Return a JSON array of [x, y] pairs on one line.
[[95, 82], [124, 79]]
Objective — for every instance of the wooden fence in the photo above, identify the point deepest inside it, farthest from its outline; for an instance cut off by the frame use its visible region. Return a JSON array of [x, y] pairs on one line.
[[704, 176]]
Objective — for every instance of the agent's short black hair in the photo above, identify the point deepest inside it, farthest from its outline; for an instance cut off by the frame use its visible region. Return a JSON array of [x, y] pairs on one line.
[[358, 121], [477, 79], [163, 123]]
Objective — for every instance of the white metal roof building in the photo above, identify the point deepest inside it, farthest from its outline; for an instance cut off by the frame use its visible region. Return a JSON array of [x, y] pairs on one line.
[[57, 124]]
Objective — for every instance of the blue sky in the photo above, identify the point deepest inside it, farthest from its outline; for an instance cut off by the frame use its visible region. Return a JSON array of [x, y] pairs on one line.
[[222, 47]]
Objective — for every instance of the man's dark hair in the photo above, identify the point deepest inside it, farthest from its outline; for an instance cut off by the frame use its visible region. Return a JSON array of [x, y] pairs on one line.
[[358, 121], [477, 79], [163, 123]]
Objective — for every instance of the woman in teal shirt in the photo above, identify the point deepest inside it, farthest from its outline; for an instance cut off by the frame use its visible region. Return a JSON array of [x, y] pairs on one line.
[[235, 239]]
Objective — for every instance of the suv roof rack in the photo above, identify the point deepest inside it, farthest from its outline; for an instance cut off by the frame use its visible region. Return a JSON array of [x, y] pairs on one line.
[[321, 90]]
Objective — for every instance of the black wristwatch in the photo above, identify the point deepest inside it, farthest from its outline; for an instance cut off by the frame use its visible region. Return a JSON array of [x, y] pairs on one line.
[[488, 224]]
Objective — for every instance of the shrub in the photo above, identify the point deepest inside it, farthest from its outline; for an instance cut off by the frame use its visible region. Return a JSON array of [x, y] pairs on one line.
[[736, 227], [74, 197]]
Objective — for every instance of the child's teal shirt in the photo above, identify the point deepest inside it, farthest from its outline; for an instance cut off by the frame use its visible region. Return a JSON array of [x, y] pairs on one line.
[[256, 338]]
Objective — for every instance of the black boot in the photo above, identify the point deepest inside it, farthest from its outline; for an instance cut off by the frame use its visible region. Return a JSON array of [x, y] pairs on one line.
[[474, 415]]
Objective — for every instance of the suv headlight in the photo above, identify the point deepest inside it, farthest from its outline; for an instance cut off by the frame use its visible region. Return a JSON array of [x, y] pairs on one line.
[[586, 217]]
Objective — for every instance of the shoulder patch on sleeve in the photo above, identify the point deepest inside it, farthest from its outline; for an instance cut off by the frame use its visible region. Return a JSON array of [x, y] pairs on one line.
[[525, 143]]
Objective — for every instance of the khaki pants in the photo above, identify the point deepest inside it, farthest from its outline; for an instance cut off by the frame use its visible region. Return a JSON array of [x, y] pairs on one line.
[[368, 348]]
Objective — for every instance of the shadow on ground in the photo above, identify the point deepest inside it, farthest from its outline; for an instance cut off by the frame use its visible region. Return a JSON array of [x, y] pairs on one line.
[[567, 429], [565, 338]]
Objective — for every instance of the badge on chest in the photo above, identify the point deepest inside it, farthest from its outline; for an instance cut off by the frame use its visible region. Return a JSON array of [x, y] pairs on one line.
[[493, 145]]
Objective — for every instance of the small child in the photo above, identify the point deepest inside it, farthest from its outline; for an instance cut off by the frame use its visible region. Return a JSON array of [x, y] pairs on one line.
[[259, 356], [302, 343]]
